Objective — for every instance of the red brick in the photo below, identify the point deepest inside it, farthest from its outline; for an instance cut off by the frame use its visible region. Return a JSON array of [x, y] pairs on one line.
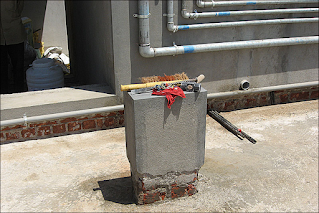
[[44, 130], [263, 100], [178, 191], [74, 126], [299, 96], [2, 137], [279, 91], [100, 123], [283, 98], [250, 102], [121, 121], [229, 105], [121, 112], [151, 197], [12, 135], [59, 128], [13, 127], [98, 116], [47, 123], [314, 95], [67, 120], [191, 189], [109, 122], [112, 114], [89, 124], [28, 133]]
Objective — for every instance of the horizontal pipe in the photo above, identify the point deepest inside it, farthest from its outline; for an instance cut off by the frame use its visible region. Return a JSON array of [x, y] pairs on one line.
[[244, 23], [263, 89], [211, 47], [61, 115], [202, 4], [196, 15], [121, 107]]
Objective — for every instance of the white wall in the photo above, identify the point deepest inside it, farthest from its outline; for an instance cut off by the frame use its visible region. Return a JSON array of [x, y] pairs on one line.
[[54, 27]]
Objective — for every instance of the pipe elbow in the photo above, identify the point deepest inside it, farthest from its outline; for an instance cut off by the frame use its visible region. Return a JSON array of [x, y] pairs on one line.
[[146, 51], [185, 14], [172, 27], [200, 3]]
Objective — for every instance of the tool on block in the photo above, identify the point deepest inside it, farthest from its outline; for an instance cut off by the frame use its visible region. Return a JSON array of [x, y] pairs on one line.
[[186, 83], [170, 89]]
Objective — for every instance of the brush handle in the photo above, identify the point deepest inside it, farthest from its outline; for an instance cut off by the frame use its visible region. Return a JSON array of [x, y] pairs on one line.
[[152, 84], [140, 86]]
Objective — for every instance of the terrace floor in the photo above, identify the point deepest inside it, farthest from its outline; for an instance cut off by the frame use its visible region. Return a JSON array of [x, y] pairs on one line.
[[89, 172]]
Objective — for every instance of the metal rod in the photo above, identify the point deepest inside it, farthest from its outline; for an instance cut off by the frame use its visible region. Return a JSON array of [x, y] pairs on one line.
[[228, 125]]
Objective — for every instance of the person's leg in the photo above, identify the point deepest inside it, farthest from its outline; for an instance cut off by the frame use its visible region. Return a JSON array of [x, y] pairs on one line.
[[4, 70], [16, 53]]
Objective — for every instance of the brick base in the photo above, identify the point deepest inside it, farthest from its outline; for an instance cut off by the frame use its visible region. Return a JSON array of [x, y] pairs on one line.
[[169, 186]]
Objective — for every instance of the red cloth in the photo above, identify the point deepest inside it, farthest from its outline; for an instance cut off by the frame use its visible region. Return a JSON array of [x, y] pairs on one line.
[[171, 94]]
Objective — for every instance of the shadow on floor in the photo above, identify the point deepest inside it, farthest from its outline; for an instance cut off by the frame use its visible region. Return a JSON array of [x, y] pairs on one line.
[[118, 190]]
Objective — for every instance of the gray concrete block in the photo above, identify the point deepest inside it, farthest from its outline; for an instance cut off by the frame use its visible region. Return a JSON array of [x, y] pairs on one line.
[[161, 140]]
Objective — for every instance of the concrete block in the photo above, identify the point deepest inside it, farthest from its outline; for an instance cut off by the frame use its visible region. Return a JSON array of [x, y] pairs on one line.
[[165, 146]]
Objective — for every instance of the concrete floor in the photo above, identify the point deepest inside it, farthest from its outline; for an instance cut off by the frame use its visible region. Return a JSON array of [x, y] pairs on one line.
[[89, 172]]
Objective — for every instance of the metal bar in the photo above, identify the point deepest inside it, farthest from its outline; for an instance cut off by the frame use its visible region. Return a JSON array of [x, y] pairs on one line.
[[228, 125]]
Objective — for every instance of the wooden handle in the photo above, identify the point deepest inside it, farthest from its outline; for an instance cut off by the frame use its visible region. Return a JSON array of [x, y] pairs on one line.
[[152, 84]]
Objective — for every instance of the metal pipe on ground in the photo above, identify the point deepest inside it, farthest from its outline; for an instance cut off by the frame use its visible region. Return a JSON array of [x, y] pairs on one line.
[[26, 119]]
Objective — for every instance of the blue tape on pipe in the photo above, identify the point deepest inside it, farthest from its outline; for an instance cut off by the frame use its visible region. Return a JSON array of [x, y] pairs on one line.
[[223, 14], [189, 49], [251, 3], [183, 27]]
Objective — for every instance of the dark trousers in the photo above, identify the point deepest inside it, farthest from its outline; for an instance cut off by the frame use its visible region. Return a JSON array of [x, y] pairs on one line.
[[16, 54]]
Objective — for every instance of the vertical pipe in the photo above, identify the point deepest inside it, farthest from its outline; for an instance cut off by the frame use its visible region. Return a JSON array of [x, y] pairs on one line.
[[143, 8]]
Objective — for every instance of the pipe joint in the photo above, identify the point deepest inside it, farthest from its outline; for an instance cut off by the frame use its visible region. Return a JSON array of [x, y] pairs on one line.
[[172, 27], [146, 51], [203, 4], [185, 14]]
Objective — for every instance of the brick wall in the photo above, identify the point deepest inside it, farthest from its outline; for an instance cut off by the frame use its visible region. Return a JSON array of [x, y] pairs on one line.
[[101, 121], [262, 99], [63, 126]]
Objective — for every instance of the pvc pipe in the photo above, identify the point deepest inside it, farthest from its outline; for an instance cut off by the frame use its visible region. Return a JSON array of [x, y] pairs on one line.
[[26, 119], [202, 4], [262, 89], [211, 47], [196, 15], [147, 51], [175, 28]]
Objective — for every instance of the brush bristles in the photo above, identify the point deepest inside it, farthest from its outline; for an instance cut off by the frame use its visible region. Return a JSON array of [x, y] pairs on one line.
[[154, 78]]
